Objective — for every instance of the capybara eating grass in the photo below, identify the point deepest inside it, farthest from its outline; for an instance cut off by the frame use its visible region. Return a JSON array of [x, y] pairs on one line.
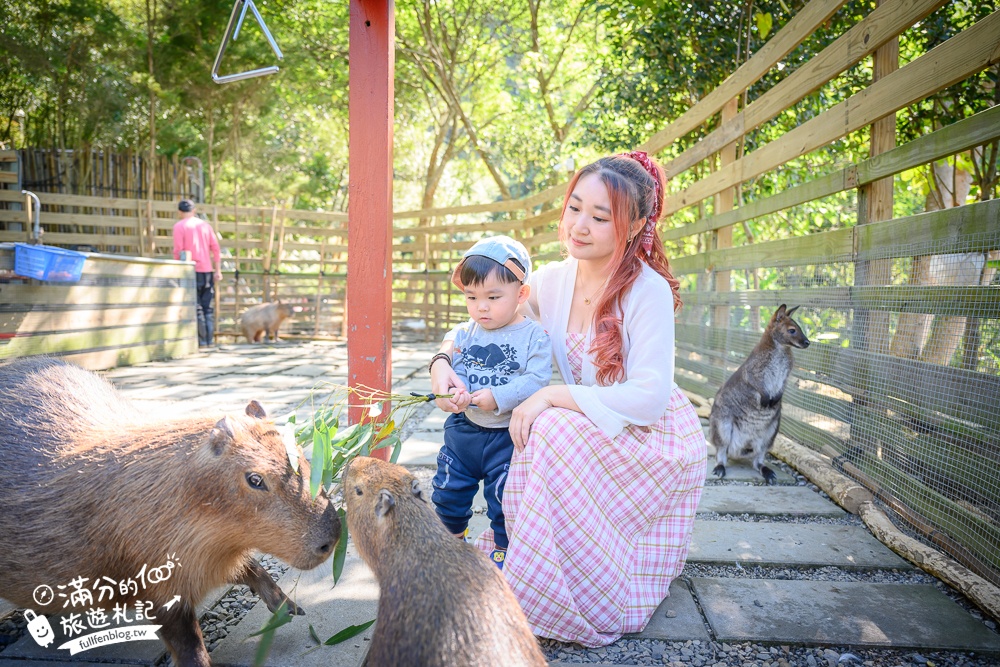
[[92, 488], [442, 603], [264, 320]]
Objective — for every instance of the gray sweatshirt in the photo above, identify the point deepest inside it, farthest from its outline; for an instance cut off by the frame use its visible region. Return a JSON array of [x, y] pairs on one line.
[[513, 362]]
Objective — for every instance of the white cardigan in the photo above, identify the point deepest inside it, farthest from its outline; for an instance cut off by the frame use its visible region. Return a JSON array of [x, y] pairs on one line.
[[648, 340]]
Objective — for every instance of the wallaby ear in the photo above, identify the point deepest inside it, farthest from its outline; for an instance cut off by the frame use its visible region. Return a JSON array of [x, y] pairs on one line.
[[415, 487], [221, 435], [791, 312], [255, 409], [780, 312], [385, 503]]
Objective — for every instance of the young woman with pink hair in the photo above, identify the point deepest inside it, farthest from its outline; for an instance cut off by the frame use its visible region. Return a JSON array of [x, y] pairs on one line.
[[608, 468]]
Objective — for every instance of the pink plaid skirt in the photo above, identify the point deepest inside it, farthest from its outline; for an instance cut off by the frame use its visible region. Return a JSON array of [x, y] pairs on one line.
[[599, 528]]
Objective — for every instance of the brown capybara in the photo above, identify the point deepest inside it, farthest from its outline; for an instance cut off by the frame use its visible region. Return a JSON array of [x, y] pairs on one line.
[[264, 320], [442, 602], [91, 488]]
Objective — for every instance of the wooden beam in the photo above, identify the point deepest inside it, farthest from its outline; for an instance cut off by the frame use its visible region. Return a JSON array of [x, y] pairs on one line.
[[369, 262], [973, 131], [723, 237], [883, 24], [967, 53], [801, 26]]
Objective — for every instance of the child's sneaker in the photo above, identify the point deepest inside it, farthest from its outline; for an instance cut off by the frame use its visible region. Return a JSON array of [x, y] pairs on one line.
[[497, 556]]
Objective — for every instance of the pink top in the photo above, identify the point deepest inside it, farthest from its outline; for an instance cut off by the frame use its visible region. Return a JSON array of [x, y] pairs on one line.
[[197, 236], [574, 351]]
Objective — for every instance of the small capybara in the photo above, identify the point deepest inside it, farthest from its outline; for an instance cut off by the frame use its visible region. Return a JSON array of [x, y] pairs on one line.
[[442, 602], [264, 320], [91, 488]]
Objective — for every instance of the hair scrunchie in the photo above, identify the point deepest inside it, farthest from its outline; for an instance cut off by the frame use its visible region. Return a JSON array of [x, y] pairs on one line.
[[647, 231]]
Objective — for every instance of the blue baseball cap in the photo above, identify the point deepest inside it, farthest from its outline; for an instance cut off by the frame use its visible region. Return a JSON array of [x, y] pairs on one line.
[[504, 251]]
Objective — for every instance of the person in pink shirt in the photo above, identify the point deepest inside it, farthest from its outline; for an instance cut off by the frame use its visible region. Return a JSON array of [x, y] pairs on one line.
[[194, 235]]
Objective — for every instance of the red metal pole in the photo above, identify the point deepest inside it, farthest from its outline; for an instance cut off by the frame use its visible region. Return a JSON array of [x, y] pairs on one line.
[[369, 232]]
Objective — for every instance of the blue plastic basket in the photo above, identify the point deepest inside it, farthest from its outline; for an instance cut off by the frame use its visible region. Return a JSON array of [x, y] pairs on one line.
[[43, 262]]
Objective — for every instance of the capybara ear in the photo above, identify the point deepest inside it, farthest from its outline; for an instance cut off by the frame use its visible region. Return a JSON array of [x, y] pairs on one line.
[[385, 503], [221, 435], [790, 312], [255, 409], [415, 486]]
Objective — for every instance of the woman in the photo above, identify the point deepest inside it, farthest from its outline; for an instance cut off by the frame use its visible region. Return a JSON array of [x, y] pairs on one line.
[[608, 468]]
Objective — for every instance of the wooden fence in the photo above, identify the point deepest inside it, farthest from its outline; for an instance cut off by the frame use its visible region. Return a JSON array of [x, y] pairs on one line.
[[122, 311], [920, 426]]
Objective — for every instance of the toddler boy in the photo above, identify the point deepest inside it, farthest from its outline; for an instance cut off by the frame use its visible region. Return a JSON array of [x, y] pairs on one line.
[[502, 357]]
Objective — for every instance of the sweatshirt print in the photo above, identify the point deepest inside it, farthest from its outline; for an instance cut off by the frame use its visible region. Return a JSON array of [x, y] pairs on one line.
[[513, 362]]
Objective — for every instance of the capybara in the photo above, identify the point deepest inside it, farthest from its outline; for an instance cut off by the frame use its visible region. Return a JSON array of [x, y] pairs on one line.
[[92, 488], [264, 320], [442, 602], [747, 409]]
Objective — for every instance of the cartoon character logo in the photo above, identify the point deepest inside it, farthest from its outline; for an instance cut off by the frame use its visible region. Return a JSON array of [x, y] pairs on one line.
[[492, 356], [39, 628]]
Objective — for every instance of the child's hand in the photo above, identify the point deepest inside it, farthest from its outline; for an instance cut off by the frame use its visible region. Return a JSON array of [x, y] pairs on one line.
[[462, 399], [483, 399]]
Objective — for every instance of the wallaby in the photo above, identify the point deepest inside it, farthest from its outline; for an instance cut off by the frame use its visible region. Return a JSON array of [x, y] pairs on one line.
[[747, 409]]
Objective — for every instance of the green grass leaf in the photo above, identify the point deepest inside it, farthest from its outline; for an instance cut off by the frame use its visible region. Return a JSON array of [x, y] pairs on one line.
[[313, 635], [348, 632], [340, 553], [279, 618]]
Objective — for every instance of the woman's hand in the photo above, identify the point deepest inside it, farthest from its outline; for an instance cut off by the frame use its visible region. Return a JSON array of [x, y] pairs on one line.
[[525, 415], [444, 380]]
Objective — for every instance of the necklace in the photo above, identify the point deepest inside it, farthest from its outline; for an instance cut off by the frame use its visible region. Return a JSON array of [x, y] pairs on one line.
[[588, 299]]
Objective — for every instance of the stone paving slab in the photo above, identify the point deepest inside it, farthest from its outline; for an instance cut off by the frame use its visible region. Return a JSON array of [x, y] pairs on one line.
[[792, 544], [328, 609], [676, 619], [839, 614], [420, 449], [767, 501], [742, 471], [432, 423]]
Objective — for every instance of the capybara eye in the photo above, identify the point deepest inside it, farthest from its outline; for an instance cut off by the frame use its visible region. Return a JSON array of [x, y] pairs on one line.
[[256, 481], [358, 491]]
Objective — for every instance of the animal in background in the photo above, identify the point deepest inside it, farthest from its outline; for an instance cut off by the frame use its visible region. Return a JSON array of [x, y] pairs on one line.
[[747, 409], [90, 487], [442, 603], [264, 319]]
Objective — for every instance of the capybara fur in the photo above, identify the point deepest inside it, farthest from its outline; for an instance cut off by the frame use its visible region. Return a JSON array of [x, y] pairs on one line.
[[264, 320], [90, 487], [747, 409], [442, 603]]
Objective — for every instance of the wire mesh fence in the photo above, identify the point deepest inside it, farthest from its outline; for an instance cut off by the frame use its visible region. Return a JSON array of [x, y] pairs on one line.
[[901, 385]]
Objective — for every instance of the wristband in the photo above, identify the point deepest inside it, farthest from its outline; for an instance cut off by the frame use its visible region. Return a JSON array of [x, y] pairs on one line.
[[439, 355]]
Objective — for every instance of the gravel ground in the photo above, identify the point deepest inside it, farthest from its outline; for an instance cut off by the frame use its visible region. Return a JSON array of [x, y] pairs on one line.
[[716, 654]]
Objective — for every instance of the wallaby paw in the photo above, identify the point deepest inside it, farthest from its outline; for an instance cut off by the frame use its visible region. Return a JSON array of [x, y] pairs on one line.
[[719, 471], [769, 477]]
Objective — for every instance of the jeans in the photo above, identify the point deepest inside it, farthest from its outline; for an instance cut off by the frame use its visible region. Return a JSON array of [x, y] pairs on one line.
[[472, 453], [205, 285]]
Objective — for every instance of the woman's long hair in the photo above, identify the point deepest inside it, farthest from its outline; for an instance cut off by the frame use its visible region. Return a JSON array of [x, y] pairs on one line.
[[633, 196]]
